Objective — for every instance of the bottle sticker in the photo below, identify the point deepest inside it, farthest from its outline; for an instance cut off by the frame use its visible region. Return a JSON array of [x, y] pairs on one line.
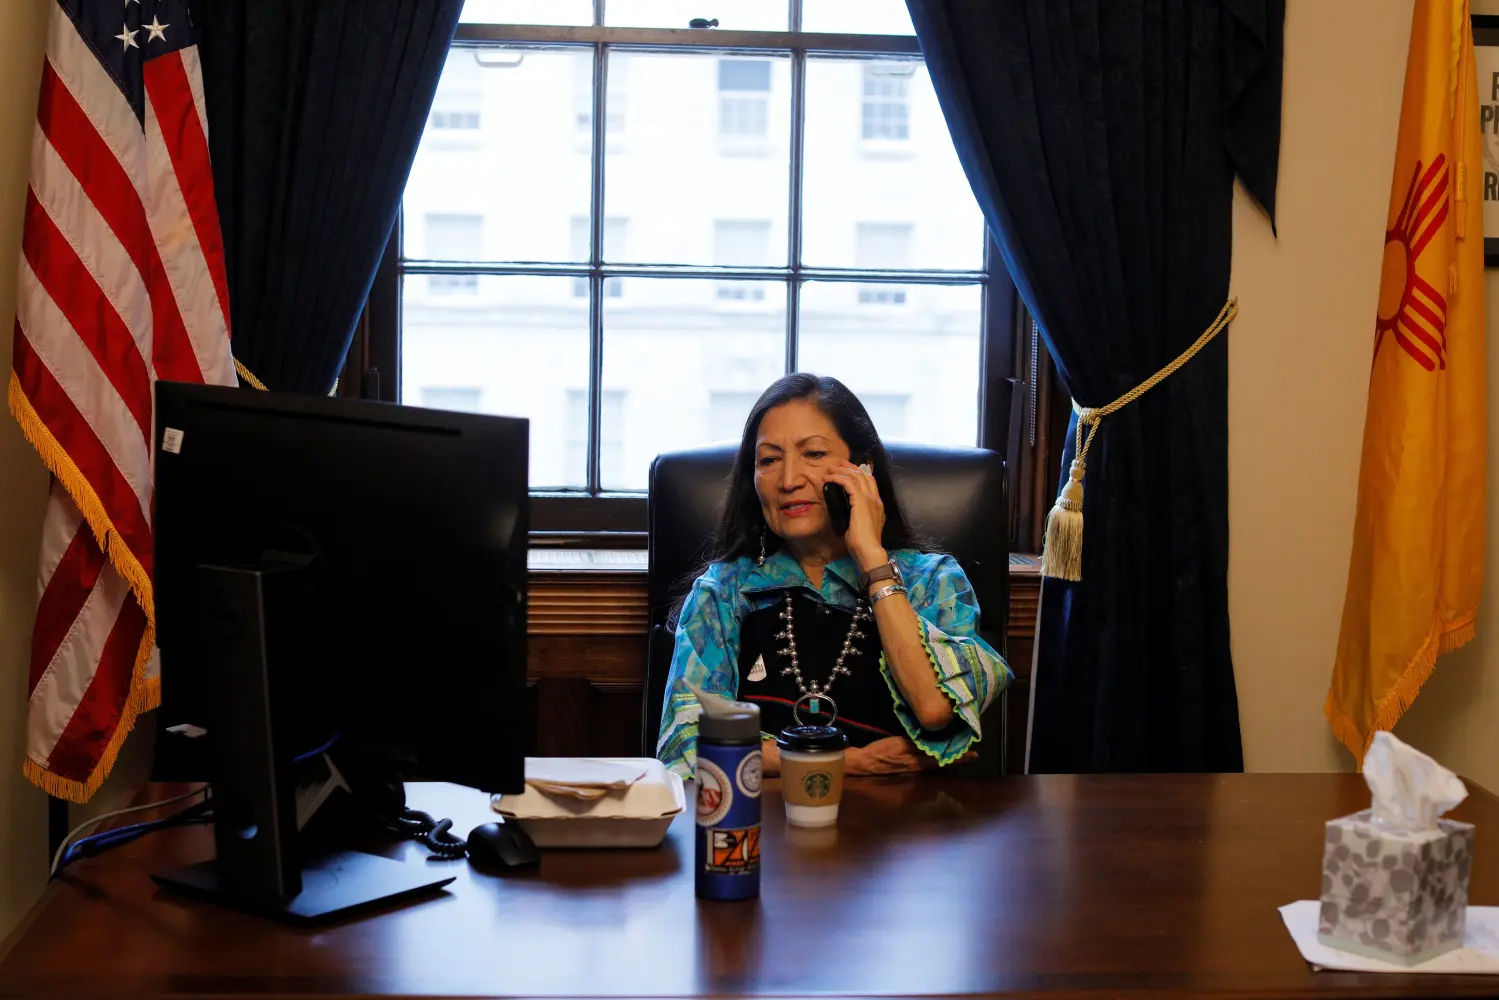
[[714, 793], [749, 774], [171, 441], [733, 852]]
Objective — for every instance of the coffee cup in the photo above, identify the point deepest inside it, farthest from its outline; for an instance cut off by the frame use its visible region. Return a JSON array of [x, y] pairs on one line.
[[811, 769]]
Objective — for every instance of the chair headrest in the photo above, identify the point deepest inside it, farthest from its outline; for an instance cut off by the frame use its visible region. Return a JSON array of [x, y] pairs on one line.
[[953, 496]]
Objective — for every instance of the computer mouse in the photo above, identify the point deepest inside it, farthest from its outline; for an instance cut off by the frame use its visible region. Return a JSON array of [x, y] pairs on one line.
[[501, 846]]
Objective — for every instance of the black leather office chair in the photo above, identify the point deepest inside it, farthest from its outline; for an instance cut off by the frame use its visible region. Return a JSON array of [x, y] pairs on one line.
[[954, 496]]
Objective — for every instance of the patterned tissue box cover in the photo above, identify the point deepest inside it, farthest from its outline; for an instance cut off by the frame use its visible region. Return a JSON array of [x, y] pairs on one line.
[[1400, 898]]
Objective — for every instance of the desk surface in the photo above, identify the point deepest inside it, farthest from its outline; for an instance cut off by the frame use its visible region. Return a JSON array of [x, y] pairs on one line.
[[1106, 885]]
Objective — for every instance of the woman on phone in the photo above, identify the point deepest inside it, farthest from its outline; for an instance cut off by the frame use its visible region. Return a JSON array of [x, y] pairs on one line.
[[818, 590]]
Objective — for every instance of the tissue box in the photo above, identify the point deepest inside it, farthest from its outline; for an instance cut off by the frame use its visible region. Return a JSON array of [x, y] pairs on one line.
[[1401, 898]]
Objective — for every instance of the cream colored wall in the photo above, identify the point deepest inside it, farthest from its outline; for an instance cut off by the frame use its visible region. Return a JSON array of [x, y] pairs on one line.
[[1299, 358], [23, 484]]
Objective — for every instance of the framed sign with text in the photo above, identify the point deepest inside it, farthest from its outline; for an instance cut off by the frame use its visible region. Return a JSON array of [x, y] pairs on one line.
[[1486, 59]]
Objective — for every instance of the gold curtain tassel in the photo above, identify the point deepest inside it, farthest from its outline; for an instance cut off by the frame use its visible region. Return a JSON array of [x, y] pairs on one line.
[[1062, 555]]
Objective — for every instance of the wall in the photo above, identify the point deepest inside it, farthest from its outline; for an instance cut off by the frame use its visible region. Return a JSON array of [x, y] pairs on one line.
[[23, 483], [1299, 357]]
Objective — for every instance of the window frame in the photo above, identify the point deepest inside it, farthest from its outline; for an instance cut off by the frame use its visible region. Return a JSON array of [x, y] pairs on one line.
[[601, 518]]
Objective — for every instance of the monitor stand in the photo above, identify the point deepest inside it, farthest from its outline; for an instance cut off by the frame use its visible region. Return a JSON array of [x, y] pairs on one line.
[[334, 885], [263, 865]]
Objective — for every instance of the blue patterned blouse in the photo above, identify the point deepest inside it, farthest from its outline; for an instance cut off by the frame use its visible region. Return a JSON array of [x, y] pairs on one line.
[[707, 646]]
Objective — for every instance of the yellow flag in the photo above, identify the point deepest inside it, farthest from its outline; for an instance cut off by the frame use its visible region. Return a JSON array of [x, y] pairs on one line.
[[1417, 566]]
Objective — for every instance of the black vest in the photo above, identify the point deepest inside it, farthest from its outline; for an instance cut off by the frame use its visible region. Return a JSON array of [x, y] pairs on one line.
[[866, 708]]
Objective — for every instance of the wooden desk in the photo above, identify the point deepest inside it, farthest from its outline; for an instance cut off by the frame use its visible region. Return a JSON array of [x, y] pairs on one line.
[[1088, 886]]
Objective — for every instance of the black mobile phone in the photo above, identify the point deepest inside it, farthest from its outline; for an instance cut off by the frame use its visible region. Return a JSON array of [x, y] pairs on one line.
[[835, 497]]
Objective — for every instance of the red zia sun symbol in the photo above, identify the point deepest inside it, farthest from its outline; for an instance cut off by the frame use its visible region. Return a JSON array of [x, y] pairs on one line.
[[1409, 308]]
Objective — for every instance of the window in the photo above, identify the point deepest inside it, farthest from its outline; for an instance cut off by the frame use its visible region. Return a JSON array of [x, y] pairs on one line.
[[612, 438], [744, 230], [882, 246], [454, 237], [887, 101], [452, 398], [727, 412], [614, 115], [453, 120], [614, 242], [888, 411], [744, 244], [743, 97]]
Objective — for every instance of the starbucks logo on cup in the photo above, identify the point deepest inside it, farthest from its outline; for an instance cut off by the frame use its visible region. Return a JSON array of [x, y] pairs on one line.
[[817, 785], [715, 794]]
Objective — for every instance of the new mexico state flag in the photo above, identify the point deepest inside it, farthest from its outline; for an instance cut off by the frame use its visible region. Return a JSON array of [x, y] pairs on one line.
[[1417, 566]]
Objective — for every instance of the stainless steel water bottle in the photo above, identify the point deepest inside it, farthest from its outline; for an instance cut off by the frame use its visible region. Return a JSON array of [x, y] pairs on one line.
[[727, 851]]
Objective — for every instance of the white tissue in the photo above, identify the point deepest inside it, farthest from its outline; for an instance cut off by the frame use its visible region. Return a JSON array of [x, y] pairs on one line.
[[1409, 789]]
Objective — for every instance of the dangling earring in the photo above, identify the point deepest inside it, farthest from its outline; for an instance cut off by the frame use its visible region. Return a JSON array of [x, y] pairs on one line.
[[761, 560]]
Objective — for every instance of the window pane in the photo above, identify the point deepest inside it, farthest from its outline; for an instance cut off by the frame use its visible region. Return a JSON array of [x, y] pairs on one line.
[[703, 146], [857, 17], [616, 95], [891, 163], [574, 12], [744, 74], [886, 110], [672, 347], [732, 15], [915, 368], [727, 411], [501, 145], [453, 235], [615, 235], [517, 346], [743, 243], [459, 399]]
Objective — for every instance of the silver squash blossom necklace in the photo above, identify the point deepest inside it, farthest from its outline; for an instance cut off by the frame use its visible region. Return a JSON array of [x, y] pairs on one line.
[[861, 615]]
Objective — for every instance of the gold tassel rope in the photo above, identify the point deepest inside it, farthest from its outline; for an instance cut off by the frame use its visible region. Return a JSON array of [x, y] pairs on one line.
[[1062, 555], [248, 377]]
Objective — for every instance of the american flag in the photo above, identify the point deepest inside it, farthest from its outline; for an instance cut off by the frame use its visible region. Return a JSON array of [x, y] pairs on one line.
[[121, 282]]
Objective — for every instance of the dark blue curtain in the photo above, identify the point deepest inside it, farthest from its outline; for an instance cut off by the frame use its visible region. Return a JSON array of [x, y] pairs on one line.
[[1102, 138], [315, 109]]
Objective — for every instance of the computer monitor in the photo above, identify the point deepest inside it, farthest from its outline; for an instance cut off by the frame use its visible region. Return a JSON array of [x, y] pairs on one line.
[[336, 572]]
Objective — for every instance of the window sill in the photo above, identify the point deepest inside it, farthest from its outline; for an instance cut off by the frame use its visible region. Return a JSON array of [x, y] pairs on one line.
[[596, 592]]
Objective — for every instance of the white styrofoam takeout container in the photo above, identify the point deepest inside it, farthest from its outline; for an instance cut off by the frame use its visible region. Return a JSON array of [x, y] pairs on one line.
[[637, 816]]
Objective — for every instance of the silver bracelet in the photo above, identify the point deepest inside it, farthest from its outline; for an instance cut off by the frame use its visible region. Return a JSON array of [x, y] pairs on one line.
[[884, 592]]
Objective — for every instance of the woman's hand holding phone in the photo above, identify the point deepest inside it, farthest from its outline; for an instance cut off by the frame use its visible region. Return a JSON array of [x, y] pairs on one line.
[[866, 517]]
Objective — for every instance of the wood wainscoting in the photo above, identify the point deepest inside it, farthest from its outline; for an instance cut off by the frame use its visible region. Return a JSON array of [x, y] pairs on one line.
[[586, 639]]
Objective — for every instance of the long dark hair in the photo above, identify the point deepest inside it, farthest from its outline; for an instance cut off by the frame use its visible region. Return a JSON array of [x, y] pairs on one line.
[[742, 525]]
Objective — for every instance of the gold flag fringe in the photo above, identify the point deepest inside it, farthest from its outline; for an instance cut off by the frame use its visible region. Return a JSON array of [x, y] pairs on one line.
[[1442, 639], [144, 695]]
